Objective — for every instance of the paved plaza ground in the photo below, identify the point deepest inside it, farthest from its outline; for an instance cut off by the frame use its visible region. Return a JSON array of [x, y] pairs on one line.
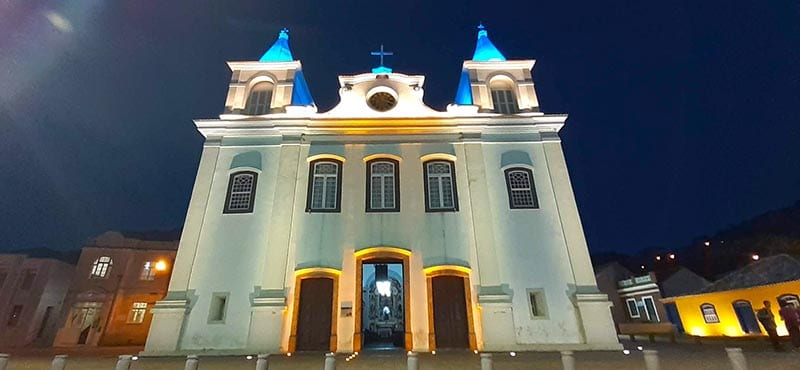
[[684, 355]]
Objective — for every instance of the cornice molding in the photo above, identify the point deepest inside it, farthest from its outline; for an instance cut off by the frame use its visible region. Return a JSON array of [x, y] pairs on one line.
[[263, 66]]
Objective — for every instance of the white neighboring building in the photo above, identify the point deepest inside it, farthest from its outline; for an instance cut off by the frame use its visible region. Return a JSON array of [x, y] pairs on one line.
[[454, 229]]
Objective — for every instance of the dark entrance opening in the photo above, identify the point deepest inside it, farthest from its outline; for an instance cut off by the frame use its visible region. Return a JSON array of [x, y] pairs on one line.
[[382, 304], [314, 317], [674, 317], [450, 325], [747, 318]]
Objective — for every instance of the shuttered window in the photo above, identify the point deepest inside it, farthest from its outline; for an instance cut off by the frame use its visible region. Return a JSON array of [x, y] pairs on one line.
[[440, 186], [260, 98]]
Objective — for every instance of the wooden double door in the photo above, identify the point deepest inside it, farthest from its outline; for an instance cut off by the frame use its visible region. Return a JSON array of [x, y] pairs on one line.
[[315, 315], [450, 320]]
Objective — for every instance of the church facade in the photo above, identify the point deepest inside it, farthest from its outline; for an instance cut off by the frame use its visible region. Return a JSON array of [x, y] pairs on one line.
[[381, 222]]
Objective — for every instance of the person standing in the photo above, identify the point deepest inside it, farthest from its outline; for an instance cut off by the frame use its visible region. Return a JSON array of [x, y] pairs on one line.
[[767, 320], [791, 318]]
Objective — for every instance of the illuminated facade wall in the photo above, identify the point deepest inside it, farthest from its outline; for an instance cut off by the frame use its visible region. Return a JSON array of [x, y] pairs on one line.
[[695, 324], [103, 302], [256, 257]]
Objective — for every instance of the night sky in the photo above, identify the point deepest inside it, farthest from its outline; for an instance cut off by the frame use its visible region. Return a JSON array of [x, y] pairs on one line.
[[683, 115]]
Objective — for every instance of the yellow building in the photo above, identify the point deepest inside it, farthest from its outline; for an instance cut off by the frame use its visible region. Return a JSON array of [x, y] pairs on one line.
[[727, 307]]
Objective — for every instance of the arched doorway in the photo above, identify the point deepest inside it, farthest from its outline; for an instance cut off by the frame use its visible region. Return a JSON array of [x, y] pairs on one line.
[[382, 315], [450, 319], [746, 316], [314, 319]]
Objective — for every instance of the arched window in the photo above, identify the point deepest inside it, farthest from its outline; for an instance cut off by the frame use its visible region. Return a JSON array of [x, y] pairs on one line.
[[101, 267], [324, 186], [709, 313], [785, 299], [440, 186], [383, 192], [521, 190], [241, 192], [260, 98], [503, 97]]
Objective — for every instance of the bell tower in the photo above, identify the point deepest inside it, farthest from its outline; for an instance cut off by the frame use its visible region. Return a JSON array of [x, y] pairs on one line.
[[493, 84], [273, 84]]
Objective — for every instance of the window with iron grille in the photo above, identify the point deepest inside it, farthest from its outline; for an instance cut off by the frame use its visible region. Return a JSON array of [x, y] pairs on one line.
[[440, 186], [241, 192], [521, 190], [324, 186], [260, 99], [101, 267], [138, 310], [383, 192], [709, 313]]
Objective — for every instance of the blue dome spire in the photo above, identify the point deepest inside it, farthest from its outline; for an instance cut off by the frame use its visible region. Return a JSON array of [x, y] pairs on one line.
[[279, 51], [300, 93], [464, 92], [485, 51]]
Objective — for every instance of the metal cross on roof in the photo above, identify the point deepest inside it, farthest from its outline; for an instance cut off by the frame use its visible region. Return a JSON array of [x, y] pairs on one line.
[[381, 53]]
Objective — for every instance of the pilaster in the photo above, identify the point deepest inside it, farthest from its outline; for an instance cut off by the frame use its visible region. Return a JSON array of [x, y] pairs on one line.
[[481, 209], [169, 313], [593, 307], [494, 297], [192, 227], [570, 220], [279, 230]]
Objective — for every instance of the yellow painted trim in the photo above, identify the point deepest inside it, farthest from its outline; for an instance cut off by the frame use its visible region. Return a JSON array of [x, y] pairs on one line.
[[382, 155], [432, 269], [312, 270], [428, 157], [382, 252], [325, 156], [365, 251]]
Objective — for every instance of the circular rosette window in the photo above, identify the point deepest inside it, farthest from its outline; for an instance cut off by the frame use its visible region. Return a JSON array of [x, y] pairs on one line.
[[382, 99]]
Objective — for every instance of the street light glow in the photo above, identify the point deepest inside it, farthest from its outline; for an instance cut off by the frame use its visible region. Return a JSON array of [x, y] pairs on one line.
[[161, 266]]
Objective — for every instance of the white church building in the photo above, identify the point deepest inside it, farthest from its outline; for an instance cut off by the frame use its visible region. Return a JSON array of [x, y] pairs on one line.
[[381, 223]]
